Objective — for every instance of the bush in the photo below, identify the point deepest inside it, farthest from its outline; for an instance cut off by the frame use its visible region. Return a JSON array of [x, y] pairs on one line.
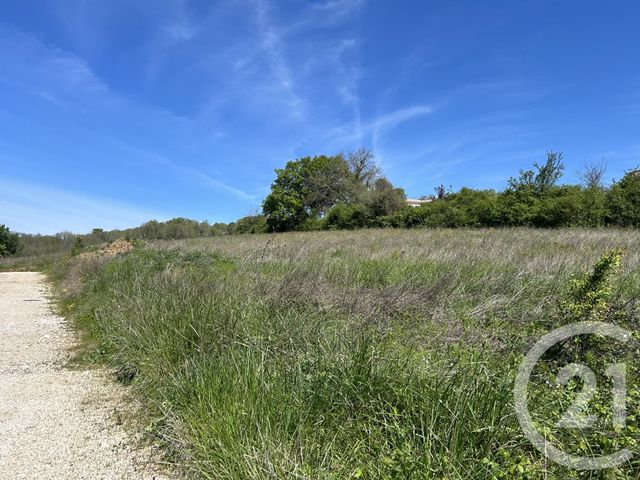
[[559, 208], [384, 199], [517, 208], [346, 217], [593, 208], [312, 224], [408, 217], [467, 208], [624, 201], [479, 207], [251, 224], [10, 243]]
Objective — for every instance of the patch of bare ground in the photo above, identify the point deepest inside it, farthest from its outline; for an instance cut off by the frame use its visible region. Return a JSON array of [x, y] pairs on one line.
[[56, 422]]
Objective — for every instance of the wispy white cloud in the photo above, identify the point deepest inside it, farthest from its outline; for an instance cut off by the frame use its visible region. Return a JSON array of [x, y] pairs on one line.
[[285, 65], [66, 81], [498, 142], [89, 24], [185, 172], [221, 186], [393, 119], [74, 72], [33, 208], [52, 99], [348, 136], [334, 11], [349, 72], [387, 122], [271, 43], [81, 20], [42, 68], [180, 28], [289, 62]]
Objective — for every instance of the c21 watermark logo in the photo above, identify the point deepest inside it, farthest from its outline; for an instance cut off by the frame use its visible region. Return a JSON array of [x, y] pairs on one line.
[[574, 416]]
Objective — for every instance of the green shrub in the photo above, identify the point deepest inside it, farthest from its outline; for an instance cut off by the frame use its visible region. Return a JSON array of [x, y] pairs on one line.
[[10, 243], [250, 224], [312, 224], [624, 201], [78, 246], [346, 217], [589, 294]]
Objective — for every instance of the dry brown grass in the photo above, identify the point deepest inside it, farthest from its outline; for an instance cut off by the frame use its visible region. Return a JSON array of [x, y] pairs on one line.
[[464, 281]]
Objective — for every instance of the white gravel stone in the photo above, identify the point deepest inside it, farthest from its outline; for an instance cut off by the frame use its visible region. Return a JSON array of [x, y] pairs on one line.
[[57, 422]]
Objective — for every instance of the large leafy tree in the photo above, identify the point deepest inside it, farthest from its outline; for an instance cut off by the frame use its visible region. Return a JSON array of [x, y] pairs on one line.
[[284, 206], [307, 188], [329, 181]]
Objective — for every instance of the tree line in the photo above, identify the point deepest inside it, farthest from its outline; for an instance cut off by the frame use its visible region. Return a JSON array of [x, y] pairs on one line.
[[175, 229], [350, 191]]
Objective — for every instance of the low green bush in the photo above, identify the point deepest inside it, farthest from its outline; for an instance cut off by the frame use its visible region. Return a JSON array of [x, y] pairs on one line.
[[10, 243], [346, 217]]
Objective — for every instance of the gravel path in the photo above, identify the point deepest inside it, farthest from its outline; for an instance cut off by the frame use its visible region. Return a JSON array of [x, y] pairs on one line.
[[55, 422]]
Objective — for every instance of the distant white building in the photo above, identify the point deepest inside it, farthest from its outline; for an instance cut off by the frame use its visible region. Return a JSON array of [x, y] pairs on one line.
[[416, 202]]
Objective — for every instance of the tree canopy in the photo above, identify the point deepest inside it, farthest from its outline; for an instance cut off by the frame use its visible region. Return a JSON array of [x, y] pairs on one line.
[[350, 192], [306, 189]]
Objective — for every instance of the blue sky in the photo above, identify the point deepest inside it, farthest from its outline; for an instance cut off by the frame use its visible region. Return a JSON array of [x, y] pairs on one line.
[[113, 113]]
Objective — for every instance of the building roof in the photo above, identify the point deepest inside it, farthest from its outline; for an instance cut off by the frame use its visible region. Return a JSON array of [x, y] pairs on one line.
[[416, 202]]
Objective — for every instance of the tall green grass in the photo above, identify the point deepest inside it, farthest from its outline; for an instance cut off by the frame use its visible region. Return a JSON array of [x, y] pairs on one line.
[[345, 355]]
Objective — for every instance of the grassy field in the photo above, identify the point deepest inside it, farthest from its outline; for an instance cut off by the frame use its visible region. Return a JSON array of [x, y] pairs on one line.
[[368, 354]]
